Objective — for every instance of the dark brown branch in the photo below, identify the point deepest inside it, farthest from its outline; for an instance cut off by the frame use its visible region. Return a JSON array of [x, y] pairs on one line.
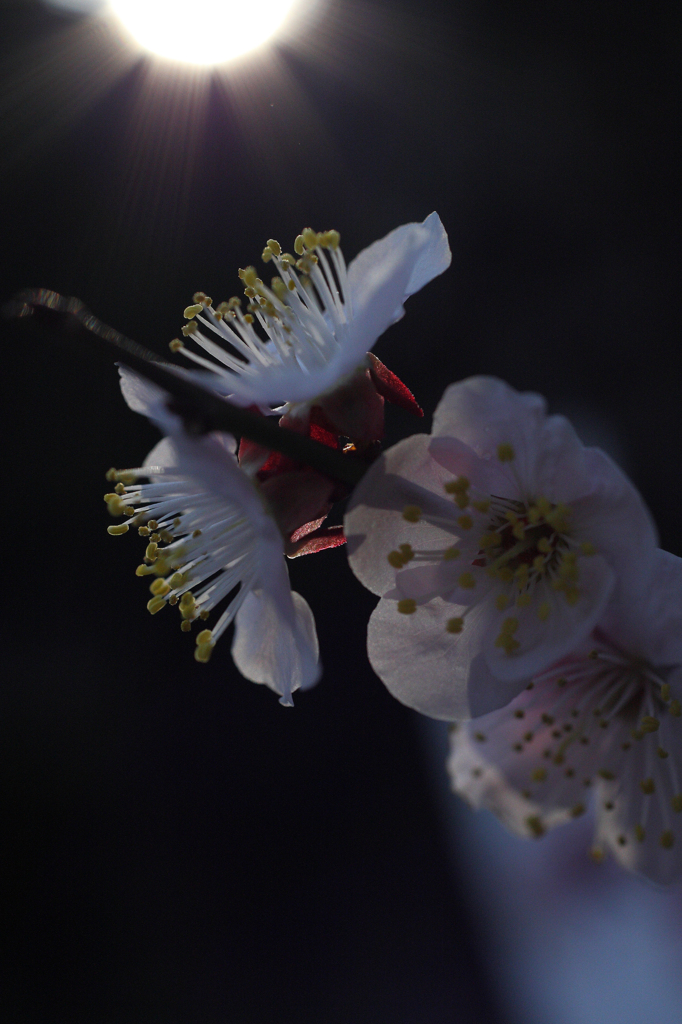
[[201, 408]]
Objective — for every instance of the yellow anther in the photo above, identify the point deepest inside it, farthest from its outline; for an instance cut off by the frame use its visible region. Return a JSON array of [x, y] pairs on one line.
[[677, 803], [159, 587], [203, 652], [523, 600], [461, 500], [279, 288], [667, 839], [152, 524], [481, 505], [505, 452], [466, 522], [266, 255], [191, 311], [519, 531], [640, 834], [248, 318], [190, 328], [299, 245], [647, 786], [544, 506], [490, 540], [538, 775], [534, 515], [156, 604], [249, 276], [455, 625], [451, 553], [187, 598], [309, 238], [173, 599], [118, 531], [504, 573], [119, 489], [406, 551], [205, 637], [535, 826], [649, 724], [501, 602], [144, 570], [186, 626], [250, 294], [558, 518], [152, 552], [675, 708], [511, 516], [204, 614], [114, 504], [544, 546], [412, 513], [665, 692], [407, 606], [165, 535], [587, 548], [577, 810], [467, 581], [457, 486], [175, 345], [274, 247], [539, 563], [333, 238], [395, 559]]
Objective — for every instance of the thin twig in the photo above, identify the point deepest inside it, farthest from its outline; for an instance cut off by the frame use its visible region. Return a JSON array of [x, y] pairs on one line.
[[201, 408]]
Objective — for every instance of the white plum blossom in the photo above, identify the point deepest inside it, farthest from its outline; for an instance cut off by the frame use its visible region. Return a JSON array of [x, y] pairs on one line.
[[213, 538], [603, 724], [308, 333], [494, 545]]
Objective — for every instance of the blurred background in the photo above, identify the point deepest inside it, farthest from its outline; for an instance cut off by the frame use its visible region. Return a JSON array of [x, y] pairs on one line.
[[179, 848]]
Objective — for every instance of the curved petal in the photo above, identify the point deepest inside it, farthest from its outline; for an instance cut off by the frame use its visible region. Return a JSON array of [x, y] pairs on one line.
[[614, 518], [435, 672], [275, 642], [422, 248], [374, 524]]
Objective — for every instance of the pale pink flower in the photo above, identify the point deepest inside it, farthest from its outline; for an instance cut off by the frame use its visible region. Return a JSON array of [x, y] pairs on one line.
[[494, 545], [304, 340], [604, 725], [214, 542]]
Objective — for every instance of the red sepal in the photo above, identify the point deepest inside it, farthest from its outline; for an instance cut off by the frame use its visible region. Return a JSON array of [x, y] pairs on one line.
[[391, 387], [319, 540]]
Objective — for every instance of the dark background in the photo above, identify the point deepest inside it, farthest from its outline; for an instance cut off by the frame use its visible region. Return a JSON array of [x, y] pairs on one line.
[[180, 848]]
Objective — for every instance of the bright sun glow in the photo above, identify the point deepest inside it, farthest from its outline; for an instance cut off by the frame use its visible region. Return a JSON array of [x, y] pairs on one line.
[[202, 31]]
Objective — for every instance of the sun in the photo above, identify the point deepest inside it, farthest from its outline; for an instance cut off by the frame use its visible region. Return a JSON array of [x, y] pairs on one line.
[[202, 32]]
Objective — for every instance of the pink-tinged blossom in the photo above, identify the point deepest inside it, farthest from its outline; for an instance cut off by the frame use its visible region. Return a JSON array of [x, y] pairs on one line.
[[303, 341], [215, 539], [604, 725], [494, 545]]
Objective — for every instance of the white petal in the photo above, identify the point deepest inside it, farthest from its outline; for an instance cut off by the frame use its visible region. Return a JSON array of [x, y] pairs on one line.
[[646, 619], [275, 641], [374, 525], [435, 672], [422, 248]]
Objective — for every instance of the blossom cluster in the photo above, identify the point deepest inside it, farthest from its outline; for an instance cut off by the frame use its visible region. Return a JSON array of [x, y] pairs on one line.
[[523, 598], [522, 594], [218, 519]]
